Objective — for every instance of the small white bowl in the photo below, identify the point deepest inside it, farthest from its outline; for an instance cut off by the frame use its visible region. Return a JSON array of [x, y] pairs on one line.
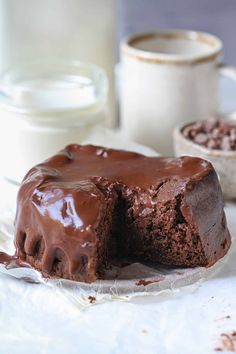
[[224, 162]]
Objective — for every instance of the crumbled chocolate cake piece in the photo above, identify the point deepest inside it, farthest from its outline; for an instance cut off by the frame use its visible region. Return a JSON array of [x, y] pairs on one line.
[[214, 133], [145, 282], [88, 205], [92, 299]]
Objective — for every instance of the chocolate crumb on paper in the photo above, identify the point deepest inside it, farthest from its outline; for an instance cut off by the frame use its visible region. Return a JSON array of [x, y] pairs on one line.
[[92, 299], [228, 317], [227, 342], [145, 282]]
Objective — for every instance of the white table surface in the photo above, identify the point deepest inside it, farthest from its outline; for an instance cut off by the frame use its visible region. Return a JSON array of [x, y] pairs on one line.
[[38, 319]]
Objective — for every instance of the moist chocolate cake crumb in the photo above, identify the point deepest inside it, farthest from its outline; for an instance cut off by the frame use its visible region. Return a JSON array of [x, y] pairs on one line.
[[12, 261], [214, 133], [91, 299], [223, 318], [145, 282], [87, 205]]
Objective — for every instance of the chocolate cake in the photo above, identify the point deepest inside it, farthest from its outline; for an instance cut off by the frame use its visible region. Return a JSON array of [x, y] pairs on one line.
[[88, 205]]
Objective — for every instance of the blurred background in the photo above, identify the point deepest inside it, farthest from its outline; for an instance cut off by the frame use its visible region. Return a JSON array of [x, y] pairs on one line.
[[215, 16], [31, 28], [91, 30]]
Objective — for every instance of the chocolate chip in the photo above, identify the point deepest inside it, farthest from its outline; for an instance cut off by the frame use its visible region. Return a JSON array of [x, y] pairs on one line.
[[212, 144], [225, 143], [201, 138], [232, 134], [215, 133], [187, 132], [197, 127], [224, 127], [210, 124]]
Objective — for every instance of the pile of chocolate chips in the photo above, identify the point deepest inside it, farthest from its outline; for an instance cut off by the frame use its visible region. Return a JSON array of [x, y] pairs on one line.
[[213, 133]]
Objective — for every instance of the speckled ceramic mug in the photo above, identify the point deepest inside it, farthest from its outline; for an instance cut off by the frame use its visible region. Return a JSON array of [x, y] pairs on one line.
[[168, 78]]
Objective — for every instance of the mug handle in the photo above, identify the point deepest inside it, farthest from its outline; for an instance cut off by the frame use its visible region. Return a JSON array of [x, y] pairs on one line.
[[229, 72]]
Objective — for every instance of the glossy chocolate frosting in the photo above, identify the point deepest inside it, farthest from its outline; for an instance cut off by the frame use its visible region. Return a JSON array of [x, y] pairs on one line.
[[63, 202]]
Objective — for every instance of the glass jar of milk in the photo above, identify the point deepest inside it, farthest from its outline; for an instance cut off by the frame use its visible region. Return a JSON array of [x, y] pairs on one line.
[[84, 30], [45, 106]]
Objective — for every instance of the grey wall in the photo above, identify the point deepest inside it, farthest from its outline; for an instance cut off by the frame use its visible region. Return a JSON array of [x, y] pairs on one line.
[[215, 16]]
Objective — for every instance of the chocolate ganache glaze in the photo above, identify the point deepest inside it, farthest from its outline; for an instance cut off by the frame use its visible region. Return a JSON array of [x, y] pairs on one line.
[[88, 205]]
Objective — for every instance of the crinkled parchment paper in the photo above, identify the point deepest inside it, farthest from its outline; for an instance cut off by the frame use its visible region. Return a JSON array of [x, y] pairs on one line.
[[121, 282]]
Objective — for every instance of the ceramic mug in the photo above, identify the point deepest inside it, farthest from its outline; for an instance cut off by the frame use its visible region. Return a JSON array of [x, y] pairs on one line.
[[169, 78]]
